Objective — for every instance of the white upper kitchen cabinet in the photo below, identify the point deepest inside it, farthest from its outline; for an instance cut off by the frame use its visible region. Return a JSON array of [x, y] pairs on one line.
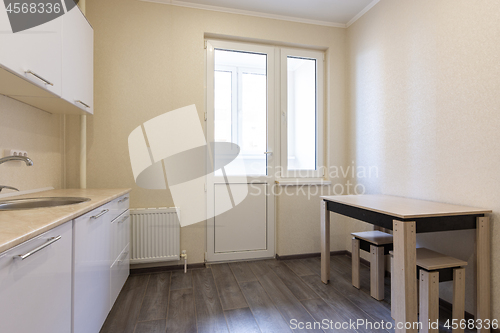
[[34, 54], [35, 284], [50, 66], [78, 60]]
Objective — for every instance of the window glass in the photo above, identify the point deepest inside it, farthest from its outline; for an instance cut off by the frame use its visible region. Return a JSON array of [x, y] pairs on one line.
[[301, 113]]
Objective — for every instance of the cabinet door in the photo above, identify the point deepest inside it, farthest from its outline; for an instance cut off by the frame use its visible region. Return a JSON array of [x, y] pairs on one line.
[[120, 271], [35, 293], [91, 270], [37, 51], [78, 60]]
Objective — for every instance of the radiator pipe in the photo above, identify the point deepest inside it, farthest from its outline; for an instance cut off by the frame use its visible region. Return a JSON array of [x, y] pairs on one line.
[[185, 256]]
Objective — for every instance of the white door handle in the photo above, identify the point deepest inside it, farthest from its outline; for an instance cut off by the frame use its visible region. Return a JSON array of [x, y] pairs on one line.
[[268, 152]]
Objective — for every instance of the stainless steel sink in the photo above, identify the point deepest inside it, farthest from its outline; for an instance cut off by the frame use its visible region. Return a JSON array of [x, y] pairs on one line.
[[30, 203]]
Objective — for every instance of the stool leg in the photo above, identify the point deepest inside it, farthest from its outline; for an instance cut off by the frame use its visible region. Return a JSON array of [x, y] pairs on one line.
[[458, 297], [393, 294], [377, 270], [355, 263], [429, 301]]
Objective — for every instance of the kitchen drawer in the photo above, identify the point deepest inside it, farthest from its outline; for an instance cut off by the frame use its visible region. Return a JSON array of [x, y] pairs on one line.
[[35, 293], [120, 234], [119, 274], [118, 206]]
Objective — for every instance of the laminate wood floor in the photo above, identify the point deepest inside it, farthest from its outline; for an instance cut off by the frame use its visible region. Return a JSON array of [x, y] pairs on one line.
[[256, 296]]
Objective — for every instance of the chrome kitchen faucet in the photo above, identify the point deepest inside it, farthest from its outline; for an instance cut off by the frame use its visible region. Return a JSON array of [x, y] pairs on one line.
[[26, 160]]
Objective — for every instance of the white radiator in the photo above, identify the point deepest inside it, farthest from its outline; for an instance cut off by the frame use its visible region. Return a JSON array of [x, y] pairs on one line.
[[155, 235]]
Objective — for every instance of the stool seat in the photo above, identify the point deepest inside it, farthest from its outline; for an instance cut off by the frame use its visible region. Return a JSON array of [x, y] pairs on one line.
[[374, 237], [432, 261], [377, 243]]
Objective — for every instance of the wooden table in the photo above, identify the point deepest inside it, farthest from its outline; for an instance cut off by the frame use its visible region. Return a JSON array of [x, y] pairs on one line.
[[407, 217]]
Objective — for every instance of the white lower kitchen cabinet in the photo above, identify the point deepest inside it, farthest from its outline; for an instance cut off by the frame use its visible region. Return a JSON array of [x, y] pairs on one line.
[[67, 279], [101, 263], [91, 270], [35, 292]]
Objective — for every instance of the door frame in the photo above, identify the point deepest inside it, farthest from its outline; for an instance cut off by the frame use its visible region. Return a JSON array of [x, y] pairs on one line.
[[272, 116]]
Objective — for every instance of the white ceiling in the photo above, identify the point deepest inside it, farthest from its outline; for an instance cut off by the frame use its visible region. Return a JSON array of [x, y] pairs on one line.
[[337, 13]]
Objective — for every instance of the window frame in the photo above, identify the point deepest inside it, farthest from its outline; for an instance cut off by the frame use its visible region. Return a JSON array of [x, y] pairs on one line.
[[319, 56]]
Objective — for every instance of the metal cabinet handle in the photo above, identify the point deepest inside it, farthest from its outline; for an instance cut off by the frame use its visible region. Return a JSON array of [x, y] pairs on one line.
[[41, 247], [123, 257], [100, 214], [84, 104], [122, 200], [123, 219], [39, 78]]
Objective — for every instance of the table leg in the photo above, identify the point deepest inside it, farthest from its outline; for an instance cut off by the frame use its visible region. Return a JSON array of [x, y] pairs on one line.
[[325, 243], [483, 260], [405, 279]]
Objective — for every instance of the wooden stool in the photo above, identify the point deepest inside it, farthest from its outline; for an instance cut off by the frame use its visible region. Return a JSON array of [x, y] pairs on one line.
[[379, 244], [432, 268]]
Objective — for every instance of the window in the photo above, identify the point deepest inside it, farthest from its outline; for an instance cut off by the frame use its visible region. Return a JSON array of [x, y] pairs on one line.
[[280, 137], [302, 113], [240, 107]]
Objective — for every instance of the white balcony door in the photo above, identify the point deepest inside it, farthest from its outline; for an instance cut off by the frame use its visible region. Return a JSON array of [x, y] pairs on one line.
[[240, 119]]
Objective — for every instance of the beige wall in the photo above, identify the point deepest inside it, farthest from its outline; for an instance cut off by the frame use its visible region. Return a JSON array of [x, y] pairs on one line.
[[149, 59], [298, 222], [39, 133], [424, 105]]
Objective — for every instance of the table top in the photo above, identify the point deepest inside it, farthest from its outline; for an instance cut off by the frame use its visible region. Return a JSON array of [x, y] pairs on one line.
[[404, 208]]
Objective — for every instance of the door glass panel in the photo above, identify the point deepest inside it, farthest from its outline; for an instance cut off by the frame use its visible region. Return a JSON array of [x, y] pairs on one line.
[[222, 99], [301, 113], [240, 92]]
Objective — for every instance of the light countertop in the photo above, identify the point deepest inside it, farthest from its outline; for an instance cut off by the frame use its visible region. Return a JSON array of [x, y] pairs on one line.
[[18, 226], [405, 208]]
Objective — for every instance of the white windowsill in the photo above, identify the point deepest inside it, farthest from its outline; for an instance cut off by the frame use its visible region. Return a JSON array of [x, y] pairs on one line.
[[302, 181]]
